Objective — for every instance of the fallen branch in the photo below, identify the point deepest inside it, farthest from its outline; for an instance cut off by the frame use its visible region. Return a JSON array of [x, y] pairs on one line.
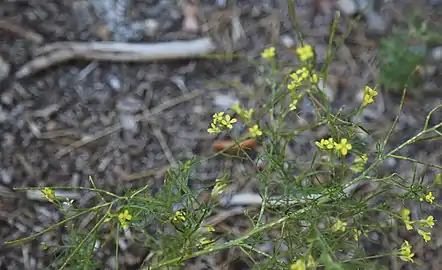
[[55, 53]]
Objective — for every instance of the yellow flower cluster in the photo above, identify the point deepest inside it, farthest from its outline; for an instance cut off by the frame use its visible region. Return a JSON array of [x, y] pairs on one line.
[[425, 223], [405, 252], [268, 53], [180, 216], [328, 144], [339, 226], [297, 78], [300, 264], [221, 121], [305, 52], [369, 95], [245, 114], [124, 217], [429, 198], [356, 234]]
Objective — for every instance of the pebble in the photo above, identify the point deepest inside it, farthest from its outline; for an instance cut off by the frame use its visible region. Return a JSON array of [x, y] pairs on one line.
[[129, 105], [114, 82], [128, 122], [225, 102], [429, 70], [376, 23], [348, 7], [364, 4], [436, 53], [5, 176], [287, 41], [4, 69], [151, 27]]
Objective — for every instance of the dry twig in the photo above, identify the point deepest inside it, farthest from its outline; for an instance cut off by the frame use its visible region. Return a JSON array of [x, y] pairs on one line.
[[55, 53]]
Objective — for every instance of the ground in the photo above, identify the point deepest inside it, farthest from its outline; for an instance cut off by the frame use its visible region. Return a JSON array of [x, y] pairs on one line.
[[44, 115]]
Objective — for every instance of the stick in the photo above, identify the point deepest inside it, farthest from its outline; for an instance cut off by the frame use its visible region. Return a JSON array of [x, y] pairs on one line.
[[56, 53]]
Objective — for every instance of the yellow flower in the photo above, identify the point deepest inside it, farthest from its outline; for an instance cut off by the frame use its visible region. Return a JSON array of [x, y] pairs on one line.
[[298, 265], [325, 144], [303, 72], [292, 105], [179, 216], [356, 234], [344, 146], [424, 234], [48, 193], [292, 86], [228, 121], [405, 214], [339, 226], [124, 217], [268, 53], [314, 79], [428, 197], [305, 52], [210, 228], [429, 222], [405, 252], [296, 81], [255, 131], [213, 129], [218, 117], [220, 120], [248, 114], [369, 95], [408, 225]]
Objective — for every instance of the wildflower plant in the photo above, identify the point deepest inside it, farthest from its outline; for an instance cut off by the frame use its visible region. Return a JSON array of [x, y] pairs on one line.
[[311, 213]]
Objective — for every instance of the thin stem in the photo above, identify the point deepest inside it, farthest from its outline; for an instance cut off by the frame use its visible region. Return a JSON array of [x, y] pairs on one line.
[[22, 240], [101, 221]]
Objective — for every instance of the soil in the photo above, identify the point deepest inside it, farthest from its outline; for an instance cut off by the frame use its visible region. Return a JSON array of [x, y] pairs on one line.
[[43, 116]]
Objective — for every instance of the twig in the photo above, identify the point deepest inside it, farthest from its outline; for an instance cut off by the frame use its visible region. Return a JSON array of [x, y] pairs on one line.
[[114, 128], [166, 149], [256, 199], [26, 33], [56, 53]]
